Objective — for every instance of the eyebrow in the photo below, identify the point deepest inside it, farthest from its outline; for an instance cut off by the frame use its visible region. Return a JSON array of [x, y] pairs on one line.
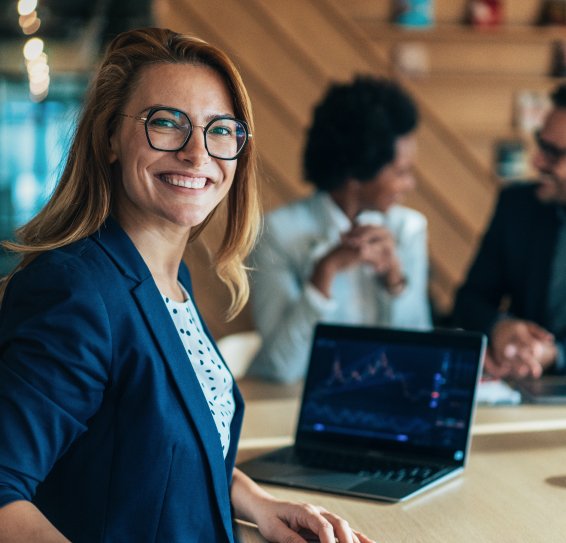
[[207, 118]]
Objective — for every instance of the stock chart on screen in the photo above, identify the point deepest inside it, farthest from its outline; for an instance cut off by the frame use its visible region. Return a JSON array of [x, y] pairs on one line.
[[404, 393]]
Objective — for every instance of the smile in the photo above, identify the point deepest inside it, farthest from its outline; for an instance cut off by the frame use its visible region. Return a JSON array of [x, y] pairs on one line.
[[182, 181]]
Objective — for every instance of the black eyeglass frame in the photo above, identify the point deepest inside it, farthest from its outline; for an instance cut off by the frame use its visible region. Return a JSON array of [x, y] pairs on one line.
[[205, 129], [548, 149]]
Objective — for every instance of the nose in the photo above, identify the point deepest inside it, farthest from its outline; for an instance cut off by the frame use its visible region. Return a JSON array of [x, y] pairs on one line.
[[540, 161], [410, 182], [195, 149]]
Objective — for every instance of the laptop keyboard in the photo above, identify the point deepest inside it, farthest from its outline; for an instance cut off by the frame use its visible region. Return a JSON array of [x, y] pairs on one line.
[[361, 465]]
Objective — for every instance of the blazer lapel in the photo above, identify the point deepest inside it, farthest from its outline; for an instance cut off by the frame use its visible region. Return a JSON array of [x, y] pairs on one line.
[[236, 425], [127, 258]]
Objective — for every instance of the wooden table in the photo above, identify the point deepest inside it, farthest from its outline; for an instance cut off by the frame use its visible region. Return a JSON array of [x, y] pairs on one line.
[[513, 489]]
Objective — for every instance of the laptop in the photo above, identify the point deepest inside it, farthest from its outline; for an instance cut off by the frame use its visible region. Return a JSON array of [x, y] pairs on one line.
[[548, 390], [386, 414]]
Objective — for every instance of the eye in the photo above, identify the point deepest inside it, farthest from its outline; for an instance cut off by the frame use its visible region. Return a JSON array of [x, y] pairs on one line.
[[163, 123], [219, 130]]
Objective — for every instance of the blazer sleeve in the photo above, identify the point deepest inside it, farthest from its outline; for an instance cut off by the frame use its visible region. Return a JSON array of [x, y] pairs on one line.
[[478, 300], [55, 355]]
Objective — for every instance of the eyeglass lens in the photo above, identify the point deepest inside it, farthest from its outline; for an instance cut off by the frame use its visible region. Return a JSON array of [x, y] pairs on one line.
[[168, 130]]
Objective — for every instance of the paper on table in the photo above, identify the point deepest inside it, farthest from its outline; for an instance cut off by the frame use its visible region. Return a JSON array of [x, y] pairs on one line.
[[496, 392]]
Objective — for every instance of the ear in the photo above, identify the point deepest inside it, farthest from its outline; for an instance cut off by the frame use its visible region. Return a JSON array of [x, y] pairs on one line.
[[112, 148]]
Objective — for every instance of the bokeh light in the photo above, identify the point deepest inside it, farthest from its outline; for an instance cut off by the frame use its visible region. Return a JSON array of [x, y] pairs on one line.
[[40, 86], [25, 7], [33, 48]]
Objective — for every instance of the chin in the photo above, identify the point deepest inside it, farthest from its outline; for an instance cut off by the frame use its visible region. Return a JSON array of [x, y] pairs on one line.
[[546, 193]]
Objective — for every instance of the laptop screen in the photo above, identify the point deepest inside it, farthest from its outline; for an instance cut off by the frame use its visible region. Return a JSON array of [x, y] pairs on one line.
[[396, 390]]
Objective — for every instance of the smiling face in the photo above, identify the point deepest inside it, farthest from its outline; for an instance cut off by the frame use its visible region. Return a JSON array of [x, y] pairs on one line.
[[171, 189], [391, 183], [552, 167]]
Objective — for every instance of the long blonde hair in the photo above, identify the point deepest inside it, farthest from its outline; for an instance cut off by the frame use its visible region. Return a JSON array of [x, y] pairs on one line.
[[85, 193]]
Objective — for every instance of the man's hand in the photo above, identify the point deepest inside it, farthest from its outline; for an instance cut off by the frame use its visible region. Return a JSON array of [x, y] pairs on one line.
[[519, 349], [363, 244]]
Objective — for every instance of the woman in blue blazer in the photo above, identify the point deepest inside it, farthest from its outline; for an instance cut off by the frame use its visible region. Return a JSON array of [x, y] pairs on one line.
[[119, 420]]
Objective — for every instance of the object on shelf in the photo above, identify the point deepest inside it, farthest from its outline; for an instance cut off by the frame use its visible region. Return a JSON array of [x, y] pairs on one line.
[[411, 59], [414, 13], [511, 159], [553, 12], [558, 66], [531, 108], [485, 13]]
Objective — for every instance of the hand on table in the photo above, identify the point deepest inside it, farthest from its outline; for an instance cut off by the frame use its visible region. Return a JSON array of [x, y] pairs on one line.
[[289, 522], [519, 349], [363, 244], [281, 521]]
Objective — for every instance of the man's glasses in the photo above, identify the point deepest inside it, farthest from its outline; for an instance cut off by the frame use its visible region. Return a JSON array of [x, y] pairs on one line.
[[169, 129], [551, 152]]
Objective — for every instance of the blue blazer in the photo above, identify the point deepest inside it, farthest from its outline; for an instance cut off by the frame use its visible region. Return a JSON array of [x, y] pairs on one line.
[[103, 424]]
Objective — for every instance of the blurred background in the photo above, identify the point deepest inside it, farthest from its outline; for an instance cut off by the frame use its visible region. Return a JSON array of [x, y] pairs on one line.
[[480, 71]]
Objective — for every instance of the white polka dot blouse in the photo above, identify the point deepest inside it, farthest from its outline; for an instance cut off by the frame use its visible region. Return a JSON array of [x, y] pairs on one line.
[[214, 378]]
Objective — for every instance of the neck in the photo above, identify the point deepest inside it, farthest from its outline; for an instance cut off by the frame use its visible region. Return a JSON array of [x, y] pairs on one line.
[[346, 199], [161, 246]]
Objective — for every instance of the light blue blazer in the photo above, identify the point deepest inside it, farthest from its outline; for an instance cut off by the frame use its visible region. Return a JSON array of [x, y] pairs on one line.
[[103, 424]]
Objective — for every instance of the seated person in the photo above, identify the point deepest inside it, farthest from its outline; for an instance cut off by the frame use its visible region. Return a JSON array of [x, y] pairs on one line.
[[119, 420], [523, 259], [349, 253]]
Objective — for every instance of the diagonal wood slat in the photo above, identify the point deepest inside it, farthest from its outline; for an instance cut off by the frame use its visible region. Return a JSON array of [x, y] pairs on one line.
[[288, 53]]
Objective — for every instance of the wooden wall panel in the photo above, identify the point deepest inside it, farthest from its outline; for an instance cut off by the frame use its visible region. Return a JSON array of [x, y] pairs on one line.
[[288, 52]]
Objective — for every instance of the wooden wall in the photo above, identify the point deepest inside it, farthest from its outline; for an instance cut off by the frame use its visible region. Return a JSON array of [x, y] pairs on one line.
[[288, 52]]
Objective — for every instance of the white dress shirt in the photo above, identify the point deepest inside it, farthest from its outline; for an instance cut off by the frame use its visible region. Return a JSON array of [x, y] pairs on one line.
[[214, 378], [287, 307]]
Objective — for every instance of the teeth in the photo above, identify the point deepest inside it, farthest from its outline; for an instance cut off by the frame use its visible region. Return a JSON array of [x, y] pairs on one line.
[[186, 184]]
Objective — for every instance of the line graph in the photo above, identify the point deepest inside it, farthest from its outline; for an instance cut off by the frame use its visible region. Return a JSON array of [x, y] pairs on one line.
[[373, 370]]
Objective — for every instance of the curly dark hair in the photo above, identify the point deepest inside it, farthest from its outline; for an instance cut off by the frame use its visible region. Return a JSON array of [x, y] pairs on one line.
[[354, 131], [558, 96]]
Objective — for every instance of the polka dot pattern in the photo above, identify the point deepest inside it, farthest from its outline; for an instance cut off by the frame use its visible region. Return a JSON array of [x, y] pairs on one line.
[[214, 378]]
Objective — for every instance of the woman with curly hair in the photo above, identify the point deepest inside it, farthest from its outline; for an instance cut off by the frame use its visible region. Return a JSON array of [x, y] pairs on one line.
[[349, 253]]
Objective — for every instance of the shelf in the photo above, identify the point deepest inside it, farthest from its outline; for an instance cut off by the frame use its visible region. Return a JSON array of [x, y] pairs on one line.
[[389, 32]]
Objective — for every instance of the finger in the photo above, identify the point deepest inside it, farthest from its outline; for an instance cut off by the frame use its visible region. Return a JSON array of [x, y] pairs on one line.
[[496, 366], [526, 367], [341, 528], [312, 519], [362, 538], [510, 350], [281, 533], [369, 234], [539, 332]]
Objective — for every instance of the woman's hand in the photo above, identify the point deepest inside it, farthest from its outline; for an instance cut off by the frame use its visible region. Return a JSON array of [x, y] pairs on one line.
[[281, 521], [288, 522], [363, 244]]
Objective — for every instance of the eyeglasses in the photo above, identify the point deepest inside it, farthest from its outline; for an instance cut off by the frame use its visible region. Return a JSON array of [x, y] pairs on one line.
[[169, 129], [551, 152]]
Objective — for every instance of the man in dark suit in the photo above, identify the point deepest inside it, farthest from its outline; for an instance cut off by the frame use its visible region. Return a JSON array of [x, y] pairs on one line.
[[516, 288]]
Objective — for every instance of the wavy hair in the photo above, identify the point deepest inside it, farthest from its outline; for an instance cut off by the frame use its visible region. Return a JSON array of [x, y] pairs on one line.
[[85, 194]]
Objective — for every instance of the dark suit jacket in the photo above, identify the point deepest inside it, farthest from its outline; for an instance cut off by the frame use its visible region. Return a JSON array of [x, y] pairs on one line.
[[101, 412], [514, 260]]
